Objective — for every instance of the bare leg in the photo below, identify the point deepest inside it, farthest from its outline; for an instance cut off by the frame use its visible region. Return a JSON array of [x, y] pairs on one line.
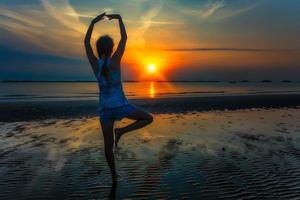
[[112, 194], [142, 119], [107, 130]]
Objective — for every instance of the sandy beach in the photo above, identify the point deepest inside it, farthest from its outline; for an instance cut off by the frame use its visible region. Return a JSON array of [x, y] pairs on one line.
[[249, 153], [210, 89]]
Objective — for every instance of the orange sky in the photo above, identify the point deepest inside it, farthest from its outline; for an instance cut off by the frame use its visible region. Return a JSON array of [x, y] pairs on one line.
[[185, 40]]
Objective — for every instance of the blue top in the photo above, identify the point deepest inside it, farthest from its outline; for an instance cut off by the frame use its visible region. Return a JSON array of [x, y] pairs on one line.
[[111, 91]]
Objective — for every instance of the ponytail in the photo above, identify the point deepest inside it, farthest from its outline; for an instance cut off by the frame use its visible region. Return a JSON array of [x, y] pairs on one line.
[[105, 70], [105, 46]]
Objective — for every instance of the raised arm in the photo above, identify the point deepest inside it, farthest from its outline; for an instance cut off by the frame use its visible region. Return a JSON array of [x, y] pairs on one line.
[[87, 43], [122, 43]]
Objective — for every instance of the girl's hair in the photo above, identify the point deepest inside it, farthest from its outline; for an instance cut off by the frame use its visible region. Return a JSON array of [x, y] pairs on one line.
[[105, 45]]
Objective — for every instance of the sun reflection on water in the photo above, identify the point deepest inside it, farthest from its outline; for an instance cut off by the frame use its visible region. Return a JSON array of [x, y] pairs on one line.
[[152, 90]]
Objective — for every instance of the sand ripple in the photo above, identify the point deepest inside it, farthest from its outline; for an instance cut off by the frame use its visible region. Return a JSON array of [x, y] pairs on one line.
[[252, 157]]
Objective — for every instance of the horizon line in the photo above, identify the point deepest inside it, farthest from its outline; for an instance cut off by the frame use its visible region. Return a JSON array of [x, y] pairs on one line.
[[92, 81]]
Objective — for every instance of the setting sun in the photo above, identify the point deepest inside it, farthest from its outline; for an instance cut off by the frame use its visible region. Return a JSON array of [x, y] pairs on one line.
[[151, 68]]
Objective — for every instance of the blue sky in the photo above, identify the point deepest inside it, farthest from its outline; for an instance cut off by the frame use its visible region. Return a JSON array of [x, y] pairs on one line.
[[189, 40]]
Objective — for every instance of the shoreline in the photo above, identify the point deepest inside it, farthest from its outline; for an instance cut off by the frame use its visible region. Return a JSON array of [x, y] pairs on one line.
[[40, 110]]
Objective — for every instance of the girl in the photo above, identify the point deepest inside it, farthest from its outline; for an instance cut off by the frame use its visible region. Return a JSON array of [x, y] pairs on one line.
[[113, 105]]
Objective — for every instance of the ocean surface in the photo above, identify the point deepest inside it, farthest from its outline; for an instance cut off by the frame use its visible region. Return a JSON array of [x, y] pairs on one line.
[[41, 91]]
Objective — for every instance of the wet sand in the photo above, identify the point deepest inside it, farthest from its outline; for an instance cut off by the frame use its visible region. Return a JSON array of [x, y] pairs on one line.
[[238, 154], [64, 109]]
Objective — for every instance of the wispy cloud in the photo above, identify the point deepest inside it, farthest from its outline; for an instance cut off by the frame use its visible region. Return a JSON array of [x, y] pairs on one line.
[[220, 9], [72, 14], [234, 12], [57, 27], [71, 20], [212, 8], [89, 15], [233, 49], [53, 28], [209, 9], [29, 31], [5, 12], [147, 21], [160, 22]]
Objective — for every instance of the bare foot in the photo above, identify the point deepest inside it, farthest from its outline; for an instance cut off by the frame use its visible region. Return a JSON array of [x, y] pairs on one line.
[[117, 136]]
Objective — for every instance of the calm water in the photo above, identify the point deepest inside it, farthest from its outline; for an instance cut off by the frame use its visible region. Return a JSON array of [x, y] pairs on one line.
[[76, 91]]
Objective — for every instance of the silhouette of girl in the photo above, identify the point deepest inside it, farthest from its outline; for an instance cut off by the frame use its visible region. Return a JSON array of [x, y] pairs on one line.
[[113, 105]]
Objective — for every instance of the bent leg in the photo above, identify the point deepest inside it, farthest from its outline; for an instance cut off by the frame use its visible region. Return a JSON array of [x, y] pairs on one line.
[[142, 119], [107, 130]]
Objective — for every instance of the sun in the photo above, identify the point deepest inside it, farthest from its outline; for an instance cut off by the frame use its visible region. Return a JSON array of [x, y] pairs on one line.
[[151, 68]]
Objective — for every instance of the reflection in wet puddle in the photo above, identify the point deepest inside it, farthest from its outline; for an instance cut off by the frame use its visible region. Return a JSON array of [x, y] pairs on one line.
[[220, 154]]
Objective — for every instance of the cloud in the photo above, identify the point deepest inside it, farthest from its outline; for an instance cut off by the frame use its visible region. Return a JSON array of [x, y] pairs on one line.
[[233, 12], [72, 28], [56, 27], [53, 28], [89, 15], [22, 25], [20, 18], [212, 8], [70, 20], [221, 9], [28, 33], [156, 22], [72, 14], [209, 9], [147, 21], [233, 49]]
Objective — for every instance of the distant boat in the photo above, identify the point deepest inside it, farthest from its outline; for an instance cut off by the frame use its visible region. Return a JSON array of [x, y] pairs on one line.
[[286, 81], [244, 81]]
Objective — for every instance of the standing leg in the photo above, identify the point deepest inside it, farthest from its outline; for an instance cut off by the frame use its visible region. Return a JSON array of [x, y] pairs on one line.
[[142, 119], [107, 130]]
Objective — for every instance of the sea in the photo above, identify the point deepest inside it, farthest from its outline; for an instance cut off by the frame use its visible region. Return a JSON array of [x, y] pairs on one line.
[[56, 91]]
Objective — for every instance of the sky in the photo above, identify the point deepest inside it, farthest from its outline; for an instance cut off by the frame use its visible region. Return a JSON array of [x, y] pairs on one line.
[[184, 40]]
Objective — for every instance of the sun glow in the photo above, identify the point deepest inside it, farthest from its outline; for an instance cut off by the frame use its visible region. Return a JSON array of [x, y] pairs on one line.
[[151, 68], [150, 65]]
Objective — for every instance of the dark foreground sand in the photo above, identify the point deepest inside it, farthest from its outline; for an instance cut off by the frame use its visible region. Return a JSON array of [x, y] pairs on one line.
[[241, 154], [38, 110]]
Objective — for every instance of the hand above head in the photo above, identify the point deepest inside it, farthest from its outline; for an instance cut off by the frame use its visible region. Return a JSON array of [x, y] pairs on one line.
[[98, 18], [113, 16]]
